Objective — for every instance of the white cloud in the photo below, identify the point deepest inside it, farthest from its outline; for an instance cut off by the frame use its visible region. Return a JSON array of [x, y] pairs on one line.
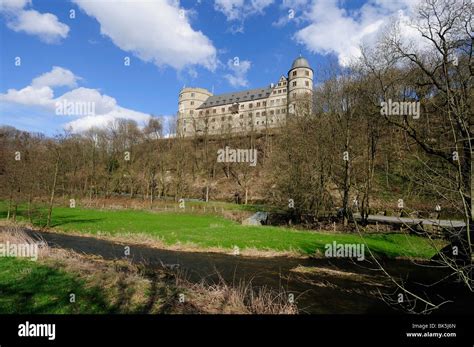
[[155, 31], [13, 4], [334, 29], [238, 75], [57, 77], [103, 120], [40, 94], [239, 9], [44, 25], [33, 96]]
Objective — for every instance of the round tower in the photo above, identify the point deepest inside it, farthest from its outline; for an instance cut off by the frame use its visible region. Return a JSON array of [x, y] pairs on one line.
[[188, 117], [300, 85]]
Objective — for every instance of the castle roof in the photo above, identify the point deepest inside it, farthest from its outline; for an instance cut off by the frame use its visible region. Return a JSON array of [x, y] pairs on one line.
[[300, 62], [230, 98]]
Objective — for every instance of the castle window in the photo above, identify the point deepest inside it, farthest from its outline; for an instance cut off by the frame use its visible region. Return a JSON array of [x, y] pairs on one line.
[[258, 104], [307, 73], [294, 73], [259, 95], [272, 102], [272, 112], [223, 109], [192, 102], [278, 111], [264, 103], [258, 114], [279, 91], [264, 113], [222, 118], [214, 111], [306, 83], [250, 114], [279, 84], [294, 83], [274, 92], [213, 120], [257, 122], [228, 109], [200, 113], [207, 111], [191, 112], [242, 106], [241, 116], [192, 95], [284, 90], [250, 105]]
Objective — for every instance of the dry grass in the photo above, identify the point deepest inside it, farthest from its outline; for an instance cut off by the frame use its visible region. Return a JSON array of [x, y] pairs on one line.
[[238, 299], [138, 288]]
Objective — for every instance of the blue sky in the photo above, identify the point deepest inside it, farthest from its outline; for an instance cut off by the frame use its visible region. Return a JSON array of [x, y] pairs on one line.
[[170, 44]]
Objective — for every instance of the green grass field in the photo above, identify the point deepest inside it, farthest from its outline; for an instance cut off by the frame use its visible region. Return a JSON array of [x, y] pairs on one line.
[[207, 231], [27, 287]]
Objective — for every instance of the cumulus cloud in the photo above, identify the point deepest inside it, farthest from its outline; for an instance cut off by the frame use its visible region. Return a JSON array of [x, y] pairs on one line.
[[40, 93], [57, 77], [29, 95], [44, 25], [154, 31], [13, 4], [239, 9], [103, 120], [238, 72], [334, 29]]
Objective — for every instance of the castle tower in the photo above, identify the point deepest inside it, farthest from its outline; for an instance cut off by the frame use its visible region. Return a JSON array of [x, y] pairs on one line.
[[189, 100], [300, 85]]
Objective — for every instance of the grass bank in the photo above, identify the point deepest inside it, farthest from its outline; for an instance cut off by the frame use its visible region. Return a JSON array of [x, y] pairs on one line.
[[211, 232]]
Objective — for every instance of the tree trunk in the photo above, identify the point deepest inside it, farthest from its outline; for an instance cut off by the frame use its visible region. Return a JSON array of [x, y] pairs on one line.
[[51, 201]]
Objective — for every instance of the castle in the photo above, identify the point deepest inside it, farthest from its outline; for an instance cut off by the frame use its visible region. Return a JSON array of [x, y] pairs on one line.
[[200, 112]]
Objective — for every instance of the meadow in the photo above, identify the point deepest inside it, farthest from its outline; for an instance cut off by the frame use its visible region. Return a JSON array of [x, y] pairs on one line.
[[210, 231]]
